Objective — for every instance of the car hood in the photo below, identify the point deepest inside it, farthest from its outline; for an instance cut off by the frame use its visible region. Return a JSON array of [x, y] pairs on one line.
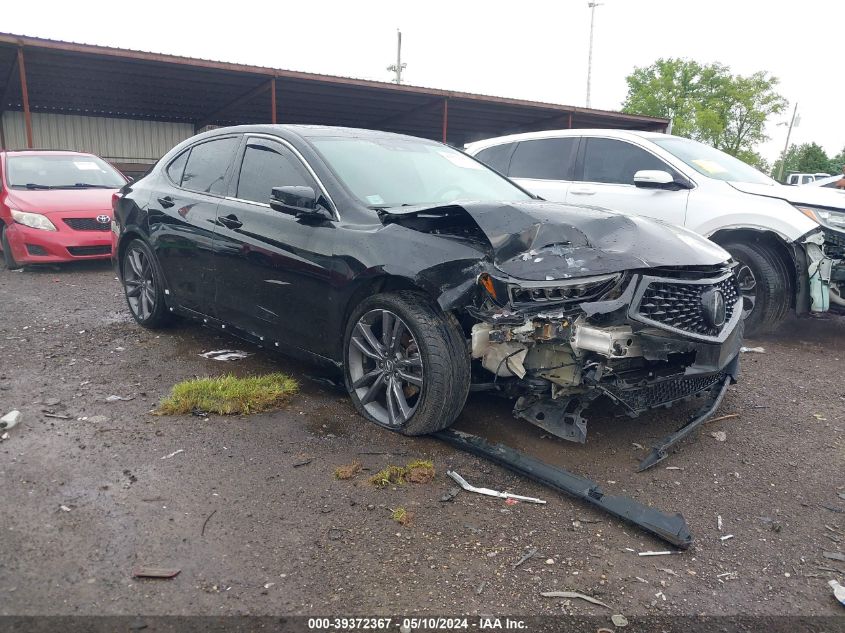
[[49, 201], [813, 196], [538, 240]]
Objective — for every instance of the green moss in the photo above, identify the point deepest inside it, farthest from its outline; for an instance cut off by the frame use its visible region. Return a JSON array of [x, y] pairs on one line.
[[388, 476]]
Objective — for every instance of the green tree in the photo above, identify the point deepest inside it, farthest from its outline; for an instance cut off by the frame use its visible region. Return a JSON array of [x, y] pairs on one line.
[[807, 158], [707, 103], [837, 163]]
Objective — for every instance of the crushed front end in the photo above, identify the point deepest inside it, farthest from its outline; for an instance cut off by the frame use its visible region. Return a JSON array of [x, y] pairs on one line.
[[643, 338]]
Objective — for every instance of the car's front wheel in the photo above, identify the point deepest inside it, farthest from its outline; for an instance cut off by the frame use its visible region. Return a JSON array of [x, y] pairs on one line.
[[143, 285], [406, 364], [764, 286], [8, 258]]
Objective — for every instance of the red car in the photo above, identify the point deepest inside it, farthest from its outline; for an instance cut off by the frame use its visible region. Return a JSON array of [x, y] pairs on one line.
[[55, 206]]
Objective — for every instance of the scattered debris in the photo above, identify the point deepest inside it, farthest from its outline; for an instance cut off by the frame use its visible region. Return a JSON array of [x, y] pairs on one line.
[[207, 519], [303, 462], [450, 494], [642, 580], [420, 471], [752, 350], [402, 516], [639, 447], [666, 570], [728, 575], [834, 556], [114, 398], [671, 528], [674, 468], [511, 502], [841, 495], [64, 508], [528, 555], [390, 475], [660, 553], [572, 594], [820, 417], [661, 595], [348, 471], [154, 572], [725, 417], [174, 453], [10, 420], [619, 620], [719, 522], [197, 412], [52, 414], [550, 561], [719, 436], [831, 508], [5, 436], [481, 587], [726, 537], [267, 585], [225, 354], [489, 492], [838, 591]]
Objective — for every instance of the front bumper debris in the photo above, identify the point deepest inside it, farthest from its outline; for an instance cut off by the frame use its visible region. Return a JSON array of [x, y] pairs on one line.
[[672, 528], [652, 340]]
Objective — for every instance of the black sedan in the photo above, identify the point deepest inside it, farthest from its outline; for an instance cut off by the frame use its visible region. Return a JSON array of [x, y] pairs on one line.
[[421, 273]]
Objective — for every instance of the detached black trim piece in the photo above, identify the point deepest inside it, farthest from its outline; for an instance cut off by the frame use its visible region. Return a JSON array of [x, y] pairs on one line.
[[671, 528]]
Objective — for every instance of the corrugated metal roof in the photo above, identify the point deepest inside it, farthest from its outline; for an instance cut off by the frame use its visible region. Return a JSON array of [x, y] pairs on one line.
[[83, 79]]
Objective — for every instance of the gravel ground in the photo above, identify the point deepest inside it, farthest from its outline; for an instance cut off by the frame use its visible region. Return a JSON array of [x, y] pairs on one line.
[[255, 530]]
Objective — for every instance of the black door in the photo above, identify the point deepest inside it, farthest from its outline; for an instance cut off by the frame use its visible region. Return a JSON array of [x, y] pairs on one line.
[[272, 270], [182, 216]]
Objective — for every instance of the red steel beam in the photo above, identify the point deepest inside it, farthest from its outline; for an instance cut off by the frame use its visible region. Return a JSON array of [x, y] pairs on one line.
[[27, 116], [445, 118]]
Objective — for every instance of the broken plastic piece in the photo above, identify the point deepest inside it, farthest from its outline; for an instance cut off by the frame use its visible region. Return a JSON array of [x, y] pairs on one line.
[[154, 572], [174, 453], [572, 594], [119, 398], [661, 553], [671, 528], [225, 354], [489, 492], [659, 451], [838, 591], [619, 620], [10, 420], [752, 350]]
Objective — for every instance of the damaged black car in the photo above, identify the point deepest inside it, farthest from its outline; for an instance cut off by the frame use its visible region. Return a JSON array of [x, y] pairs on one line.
[[422, 274]]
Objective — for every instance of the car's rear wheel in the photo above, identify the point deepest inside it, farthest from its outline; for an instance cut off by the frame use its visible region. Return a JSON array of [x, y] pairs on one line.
[[143, 286], [8, 258], [763, 284], [404, 363]]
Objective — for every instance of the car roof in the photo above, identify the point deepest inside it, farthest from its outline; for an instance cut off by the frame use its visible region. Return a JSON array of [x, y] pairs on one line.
[[313, 131], [44, 152], [527, 136]]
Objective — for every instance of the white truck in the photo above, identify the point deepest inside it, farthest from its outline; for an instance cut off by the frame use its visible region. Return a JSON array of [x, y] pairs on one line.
[[789, 241]]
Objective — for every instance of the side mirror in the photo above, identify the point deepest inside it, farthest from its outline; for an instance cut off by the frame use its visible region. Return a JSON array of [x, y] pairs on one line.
[[299, 201], [657, 179]]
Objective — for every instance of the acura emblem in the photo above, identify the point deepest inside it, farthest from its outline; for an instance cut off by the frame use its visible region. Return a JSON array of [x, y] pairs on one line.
[[713, 305], [103, 219]]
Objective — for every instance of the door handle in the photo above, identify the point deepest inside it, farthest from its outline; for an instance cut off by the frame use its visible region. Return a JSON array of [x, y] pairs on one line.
[[230, 221], [582, 191], [166, 202]]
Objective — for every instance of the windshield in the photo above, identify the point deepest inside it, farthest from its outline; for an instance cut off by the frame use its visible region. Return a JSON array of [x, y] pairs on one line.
[[392, 172], [711, 162], [60, 171]]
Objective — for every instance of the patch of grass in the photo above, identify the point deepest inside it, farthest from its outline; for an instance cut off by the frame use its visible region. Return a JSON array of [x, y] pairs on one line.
[[226, 395], [388, 476], [402, 516], [420, 471], [348, 471]]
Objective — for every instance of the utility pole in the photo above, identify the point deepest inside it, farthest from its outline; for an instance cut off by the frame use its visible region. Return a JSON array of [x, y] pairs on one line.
[[786, 146], [398, 67], [592, 6]]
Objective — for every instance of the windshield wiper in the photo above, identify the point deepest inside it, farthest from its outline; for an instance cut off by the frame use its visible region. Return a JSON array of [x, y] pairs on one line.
[[33, 185], [86, 185]]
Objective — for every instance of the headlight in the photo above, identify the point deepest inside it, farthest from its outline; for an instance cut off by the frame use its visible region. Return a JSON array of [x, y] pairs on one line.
[[825, 217], [33, 220], [584, 289]]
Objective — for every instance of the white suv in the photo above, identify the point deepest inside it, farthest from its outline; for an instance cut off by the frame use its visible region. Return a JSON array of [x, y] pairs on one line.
[[772, 230]]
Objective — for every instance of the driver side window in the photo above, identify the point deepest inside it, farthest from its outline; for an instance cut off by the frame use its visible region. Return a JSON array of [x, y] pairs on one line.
[[612, 161], [265, 165]]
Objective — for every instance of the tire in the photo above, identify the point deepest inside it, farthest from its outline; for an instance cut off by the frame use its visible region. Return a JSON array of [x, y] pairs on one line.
[[430, 349], [771, 287], [143, 286], [8, 258]]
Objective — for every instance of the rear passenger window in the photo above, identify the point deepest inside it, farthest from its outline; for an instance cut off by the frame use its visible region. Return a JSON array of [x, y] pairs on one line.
[[207, 165], [544, 159], [177, 167], [266, 165], [612, 161], [497, 157]]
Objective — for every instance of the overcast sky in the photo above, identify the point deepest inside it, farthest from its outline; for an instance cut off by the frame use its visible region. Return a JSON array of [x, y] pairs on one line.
[[526, 49]]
